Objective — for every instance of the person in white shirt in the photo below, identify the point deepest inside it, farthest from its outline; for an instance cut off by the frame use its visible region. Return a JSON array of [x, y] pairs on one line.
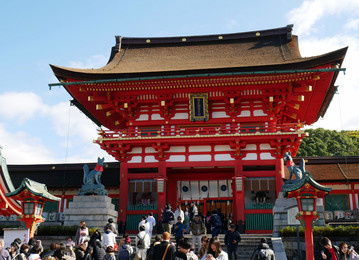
[[152, 222], [146, 224], [109, 238], [219, 254], [179, 212], [143, 242]]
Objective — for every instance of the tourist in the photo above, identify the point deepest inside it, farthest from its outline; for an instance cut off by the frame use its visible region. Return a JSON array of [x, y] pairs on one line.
[[204, 248], [109, 238], [125, 251], [330, 252], [80, 251], [146, 224], [221, 215], [143, 242], [218, 253], [157, 242], [58, 254], [4, 254], [111, 225], [231, 240], [35, 253], [167, 218], [69, 252], [70, 242], [82, 234], [123, 239], [88, 253], [193, 211], [110, 253], [14, 252], [165, 250], [184, 247], [152, 222], [198, 229], [24, 250], [99, 250], [263, 251], [346, 253], [179, 229], [216, 223], [179, 212], [53, 247]]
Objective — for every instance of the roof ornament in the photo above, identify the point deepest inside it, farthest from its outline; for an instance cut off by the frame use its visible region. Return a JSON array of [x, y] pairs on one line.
[[293, 169], [92, 180]]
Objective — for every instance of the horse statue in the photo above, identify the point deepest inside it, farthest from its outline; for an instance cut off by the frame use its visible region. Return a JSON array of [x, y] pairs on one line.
[[92, 180], [293, 169]]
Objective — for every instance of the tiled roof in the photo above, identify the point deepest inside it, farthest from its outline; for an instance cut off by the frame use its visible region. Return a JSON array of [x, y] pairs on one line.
[[250, 51]]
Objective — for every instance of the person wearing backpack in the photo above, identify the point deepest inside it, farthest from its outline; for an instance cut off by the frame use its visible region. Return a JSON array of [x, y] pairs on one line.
[[263, 252], [125, 251], [142, 243], [216, 223]]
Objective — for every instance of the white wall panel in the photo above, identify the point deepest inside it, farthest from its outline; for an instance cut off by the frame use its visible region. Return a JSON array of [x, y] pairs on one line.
[[250, 156], [199, 158]]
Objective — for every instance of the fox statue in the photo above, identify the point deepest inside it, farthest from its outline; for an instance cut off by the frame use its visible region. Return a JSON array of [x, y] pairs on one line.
[[94, 176], [293, 169]]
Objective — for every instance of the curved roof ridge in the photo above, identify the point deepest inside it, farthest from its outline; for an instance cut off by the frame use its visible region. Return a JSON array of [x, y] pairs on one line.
[[287, 31]]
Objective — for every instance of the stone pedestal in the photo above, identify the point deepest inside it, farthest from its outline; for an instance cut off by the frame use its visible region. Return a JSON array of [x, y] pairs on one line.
[[284, 211], [94, 210]]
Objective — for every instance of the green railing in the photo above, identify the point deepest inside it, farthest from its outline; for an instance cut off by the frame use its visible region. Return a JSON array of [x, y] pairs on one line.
[[259, 221], [142, 207], [259, 206], [133, 220]]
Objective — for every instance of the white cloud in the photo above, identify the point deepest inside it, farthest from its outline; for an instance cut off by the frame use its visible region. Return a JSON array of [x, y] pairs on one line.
[[94, 62], [21, 106], [70, 132], [310, 12], [21, 148], [352, 24]]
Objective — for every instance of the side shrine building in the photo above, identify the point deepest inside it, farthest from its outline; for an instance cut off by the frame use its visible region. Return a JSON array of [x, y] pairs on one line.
[[204, 118]]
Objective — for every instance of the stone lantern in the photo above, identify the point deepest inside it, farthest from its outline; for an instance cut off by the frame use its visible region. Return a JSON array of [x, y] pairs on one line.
[[307, 191], [32, 196]]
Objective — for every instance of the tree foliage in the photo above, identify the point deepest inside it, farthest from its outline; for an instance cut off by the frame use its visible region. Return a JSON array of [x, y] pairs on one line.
[[322, 142]]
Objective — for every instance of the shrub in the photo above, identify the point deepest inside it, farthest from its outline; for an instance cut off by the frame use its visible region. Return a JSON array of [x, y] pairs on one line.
[[323, 231]]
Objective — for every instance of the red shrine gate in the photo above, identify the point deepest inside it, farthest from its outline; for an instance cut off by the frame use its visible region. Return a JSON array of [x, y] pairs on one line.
[[204, 118]]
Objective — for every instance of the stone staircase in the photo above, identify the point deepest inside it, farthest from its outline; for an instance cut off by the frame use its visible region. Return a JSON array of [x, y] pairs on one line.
[[246, 247]]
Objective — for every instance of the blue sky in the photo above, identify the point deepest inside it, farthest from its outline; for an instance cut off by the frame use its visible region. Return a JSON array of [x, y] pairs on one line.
[[37, 125]]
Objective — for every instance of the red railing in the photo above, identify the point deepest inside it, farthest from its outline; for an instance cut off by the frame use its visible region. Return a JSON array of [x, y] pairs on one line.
[[135, 132]]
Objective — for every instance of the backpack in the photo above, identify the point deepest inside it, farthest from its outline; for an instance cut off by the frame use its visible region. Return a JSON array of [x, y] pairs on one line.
[[124, 253], [141, 242], [217, 222]]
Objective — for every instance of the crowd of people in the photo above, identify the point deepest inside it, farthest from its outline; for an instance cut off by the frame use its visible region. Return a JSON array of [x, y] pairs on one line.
[[103, 245]]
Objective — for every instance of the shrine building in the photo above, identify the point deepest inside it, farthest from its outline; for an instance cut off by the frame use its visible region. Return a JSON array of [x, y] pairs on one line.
[[204, 118]]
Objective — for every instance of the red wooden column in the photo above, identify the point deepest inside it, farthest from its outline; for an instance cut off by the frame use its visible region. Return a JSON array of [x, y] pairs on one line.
[[279, 168], [122, 209], [162, 195], [238, 195]]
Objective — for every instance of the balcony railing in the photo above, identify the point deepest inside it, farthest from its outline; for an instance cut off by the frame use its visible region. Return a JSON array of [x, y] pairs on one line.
[[156, 132]]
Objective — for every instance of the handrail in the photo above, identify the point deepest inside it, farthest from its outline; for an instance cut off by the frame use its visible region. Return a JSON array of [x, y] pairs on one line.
[[157, 131]]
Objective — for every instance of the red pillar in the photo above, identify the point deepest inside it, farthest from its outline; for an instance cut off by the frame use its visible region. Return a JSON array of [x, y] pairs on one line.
[[162, 195], [238, 196], [122, 209], [279, 168], [309, 244]]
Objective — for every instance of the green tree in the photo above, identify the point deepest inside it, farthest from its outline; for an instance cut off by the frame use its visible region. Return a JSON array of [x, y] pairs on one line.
[[322, 142]]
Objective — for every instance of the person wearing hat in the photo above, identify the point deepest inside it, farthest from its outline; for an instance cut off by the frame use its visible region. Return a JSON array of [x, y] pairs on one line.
[[231, 240], [125, 251], [111, 225], [198, 229]]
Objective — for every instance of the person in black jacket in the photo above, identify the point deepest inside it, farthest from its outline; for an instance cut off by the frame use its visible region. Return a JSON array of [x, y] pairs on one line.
[[330, 252], [165, 250], [231, 239], [167, 219], [99, 250]]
